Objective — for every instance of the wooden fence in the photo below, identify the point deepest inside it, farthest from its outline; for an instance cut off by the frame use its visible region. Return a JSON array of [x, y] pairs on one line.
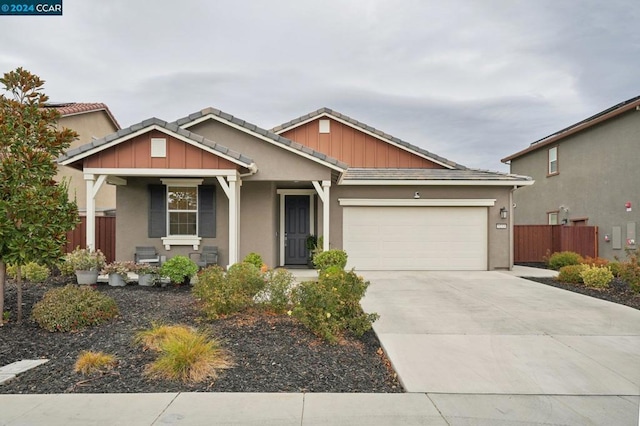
[[105, 236], [532, 242]]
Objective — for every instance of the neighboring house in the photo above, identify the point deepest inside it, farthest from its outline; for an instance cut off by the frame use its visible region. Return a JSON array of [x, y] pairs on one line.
[[586, 174], [211, 179], [90, 121]]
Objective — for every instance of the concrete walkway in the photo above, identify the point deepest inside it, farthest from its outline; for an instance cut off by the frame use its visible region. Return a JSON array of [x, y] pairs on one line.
[[471, 348], [490, 346]]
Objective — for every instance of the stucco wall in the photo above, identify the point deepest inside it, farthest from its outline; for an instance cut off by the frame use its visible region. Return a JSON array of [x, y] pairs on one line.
[[132, 222], [274, 163], [259, 221], [498, 239], [87, 125], [597, 175]]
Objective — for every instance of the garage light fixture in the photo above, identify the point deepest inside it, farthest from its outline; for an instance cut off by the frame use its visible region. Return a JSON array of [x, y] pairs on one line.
[[503, 213]]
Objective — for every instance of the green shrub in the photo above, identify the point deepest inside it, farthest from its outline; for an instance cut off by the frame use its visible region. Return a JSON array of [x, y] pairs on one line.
[[596, 276], [31, 272], [72, 307], [277, 291], [331, 306], [615, 267], [333, 257], [630, 273], [178, 269], [571, 274], [222, 294], [255, 259], [564, 258]]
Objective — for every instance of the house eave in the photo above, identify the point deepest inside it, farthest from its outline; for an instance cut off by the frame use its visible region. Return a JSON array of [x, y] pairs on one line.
[[440, 182]]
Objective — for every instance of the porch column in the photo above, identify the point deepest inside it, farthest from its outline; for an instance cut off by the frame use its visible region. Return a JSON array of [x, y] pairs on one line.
[[323, 194], [90, 213], [93, 186], [234, 219]]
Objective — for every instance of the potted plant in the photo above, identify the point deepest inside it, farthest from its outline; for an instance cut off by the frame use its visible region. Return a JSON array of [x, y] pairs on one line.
[[147, 274], [86, 264], [179, 269], [312, 244], [118, 272]]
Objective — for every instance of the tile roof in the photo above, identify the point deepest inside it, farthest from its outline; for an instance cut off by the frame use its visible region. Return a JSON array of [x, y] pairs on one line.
[[171, 127], [579, 126], [73, 108], [277, 139], [365, 127], [355, 174]]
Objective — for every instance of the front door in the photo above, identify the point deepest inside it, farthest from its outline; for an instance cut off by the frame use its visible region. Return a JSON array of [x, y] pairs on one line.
[[297, 228]]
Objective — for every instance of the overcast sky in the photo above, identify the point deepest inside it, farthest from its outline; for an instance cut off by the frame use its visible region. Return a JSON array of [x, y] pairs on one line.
[[470, 80]]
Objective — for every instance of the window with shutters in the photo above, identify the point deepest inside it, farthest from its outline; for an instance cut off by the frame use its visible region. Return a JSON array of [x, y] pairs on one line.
[[182, 212]]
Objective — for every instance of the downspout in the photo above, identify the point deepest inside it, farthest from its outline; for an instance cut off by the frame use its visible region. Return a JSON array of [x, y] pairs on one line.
[[511, 228]]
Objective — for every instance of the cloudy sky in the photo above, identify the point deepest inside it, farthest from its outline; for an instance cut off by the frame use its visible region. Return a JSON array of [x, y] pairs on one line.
[[470, 80]]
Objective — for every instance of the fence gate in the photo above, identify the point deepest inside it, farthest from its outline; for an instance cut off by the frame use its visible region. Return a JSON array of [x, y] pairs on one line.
[[532, 242], [105, 236]]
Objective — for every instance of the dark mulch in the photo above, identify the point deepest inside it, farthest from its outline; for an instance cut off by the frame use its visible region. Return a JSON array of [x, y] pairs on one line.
[[271, 353], [619, 291]]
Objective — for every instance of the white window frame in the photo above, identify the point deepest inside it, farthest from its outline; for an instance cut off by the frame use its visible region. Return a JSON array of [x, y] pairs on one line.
[[552, 155], [181, 240], [551, 215]]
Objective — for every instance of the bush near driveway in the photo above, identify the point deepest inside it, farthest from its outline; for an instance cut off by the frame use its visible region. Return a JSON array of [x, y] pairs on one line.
[[564, 258], [331, 307]]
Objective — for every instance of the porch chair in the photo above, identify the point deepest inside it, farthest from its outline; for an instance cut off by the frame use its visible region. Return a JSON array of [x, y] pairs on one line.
[[208, 256], [146, 254]]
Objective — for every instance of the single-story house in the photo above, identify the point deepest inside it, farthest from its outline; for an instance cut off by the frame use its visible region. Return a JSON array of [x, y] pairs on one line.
[[211, 179]]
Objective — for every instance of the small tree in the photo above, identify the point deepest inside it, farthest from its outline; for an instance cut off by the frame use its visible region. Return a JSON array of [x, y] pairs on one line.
[[35, 211]]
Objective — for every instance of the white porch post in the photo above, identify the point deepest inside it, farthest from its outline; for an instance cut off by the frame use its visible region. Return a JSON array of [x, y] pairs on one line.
[[90, 213], [323, 193], [232, 190], [93, 186]]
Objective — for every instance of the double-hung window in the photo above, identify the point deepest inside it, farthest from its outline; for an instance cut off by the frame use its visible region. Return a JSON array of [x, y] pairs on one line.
[[553, 161], [552, 218], [182, 210]]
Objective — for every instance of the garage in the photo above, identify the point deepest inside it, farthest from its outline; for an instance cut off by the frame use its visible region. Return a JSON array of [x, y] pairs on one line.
[[415, 237]]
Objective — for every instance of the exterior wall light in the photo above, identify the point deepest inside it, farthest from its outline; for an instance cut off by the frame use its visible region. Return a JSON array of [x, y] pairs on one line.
[[503, 213]]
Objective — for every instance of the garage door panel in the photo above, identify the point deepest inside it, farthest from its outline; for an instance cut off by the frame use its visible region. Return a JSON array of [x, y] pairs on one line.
[[416, 238]]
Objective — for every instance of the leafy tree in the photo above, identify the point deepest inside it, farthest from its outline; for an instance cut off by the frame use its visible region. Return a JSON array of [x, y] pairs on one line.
[[35, 210]]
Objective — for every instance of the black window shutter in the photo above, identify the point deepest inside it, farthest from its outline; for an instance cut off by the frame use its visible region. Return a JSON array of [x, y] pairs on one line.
[[207, 211], [157, 211]]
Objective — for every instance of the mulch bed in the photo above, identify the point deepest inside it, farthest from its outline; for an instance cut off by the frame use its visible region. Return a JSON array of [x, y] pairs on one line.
[[271, 353], [618, 292]]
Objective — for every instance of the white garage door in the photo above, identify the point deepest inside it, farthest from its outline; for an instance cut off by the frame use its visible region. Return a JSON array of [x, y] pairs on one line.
[[416, 238]]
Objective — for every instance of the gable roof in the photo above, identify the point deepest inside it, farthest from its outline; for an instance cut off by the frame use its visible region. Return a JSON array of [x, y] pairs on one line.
[[367, 176], [74, 108], [607, 114], [171, 129], [327, 112], [260, 133]]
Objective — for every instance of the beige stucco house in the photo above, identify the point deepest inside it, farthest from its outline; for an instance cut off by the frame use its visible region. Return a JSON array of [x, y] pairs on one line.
[[586, 174], [90, 121], [211, 179]]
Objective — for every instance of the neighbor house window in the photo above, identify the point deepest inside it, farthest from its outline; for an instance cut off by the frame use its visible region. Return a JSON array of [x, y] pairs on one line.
[[553, 218], [182, 210], [553, 160]]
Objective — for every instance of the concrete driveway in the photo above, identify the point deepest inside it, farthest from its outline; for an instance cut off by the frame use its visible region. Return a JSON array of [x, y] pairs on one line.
[[480, 343]]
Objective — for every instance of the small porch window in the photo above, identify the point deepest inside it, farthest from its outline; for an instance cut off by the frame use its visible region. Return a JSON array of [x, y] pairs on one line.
[[553, 218]]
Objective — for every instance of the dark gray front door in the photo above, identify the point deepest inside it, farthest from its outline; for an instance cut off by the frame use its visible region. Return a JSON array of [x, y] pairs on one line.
[[296, 219]]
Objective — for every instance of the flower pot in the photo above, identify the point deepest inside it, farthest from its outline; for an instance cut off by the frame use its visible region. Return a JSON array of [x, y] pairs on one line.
[[147, 280], [116, 280], [87, 277]]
